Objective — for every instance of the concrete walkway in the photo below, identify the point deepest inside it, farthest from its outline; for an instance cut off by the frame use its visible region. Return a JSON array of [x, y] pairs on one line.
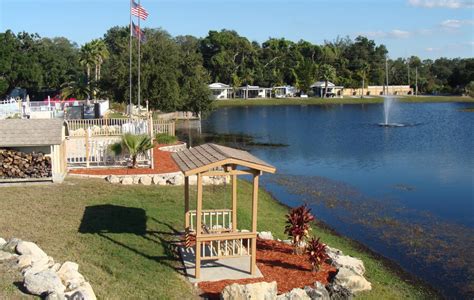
[[215, 270]]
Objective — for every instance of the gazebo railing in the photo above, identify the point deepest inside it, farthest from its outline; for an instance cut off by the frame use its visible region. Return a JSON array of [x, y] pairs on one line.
[[215, 220], [226, 245]]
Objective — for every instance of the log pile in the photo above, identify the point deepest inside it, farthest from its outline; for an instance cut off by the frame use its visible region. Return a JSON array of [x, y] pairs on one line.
[[16, 164]]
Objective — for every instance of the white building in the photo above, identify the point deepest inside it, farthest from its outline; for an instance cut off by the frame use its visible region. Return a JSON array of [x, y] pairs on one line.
[[253, 91], [221, 91], [332, 89], [284, 91]]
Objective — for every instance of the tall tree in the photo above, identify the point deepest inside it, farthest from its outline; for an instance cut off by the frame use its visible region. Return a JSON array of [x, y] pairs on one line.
[[327, 73]]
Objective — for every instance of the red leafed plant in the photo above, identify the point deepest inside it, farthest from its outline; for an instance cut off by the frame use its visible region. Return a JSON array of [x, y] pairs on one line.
[[317, 253], [297, 226]]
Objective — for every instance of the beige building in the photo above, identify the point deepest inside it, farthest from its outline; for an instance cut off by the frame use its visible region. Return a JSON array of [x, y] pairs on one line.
[[378, 90]]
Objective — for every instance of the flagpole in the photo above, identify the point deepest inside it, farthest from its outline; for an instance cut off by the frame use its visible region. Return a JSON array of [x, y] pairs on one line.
[[130, 62], [139, 57]]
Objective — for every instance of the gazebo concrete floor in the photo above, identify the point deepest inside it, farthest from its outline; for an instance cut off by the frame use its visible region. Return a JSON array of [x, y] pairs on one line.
[[215, 270]]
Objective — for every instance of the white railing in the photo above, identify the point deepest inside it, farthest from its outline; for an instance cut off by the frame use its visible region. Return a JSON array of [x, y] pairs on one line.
[[164, 126], [9, 108], [105, 127], [214, 219], [95, 151], [234, 247]]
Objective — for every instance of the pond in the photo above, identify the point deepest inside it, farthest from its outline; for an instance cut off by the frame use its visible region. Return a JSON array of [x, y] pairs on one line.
[[405, 192]]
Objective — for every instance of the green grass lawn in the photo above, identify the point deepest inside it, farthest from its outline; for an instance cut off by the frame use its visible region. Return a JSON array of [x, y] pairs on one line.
[[345, 100], [120, 236]]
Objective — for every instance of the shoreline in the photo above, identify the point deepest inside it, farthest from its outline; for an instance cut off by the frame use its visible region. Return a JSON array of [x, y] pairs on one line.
[[333, 101], [390, 264]]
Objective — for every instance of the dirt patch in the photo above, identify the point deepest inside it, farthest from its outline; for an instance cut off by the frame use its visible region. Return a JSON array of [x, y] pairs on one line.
[[162, 163], [277, 263]]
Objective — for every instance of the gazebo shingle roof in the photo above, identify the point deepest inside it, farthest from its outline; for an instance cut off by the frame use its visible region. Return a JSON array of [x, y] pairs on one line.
[[40, 132], [210, 154]]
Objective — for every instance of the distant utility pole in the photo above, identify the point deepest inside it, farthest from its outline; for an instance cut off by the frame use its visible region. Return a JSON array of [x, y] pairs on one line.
[[408, 72], [386, 75], [416, 82]]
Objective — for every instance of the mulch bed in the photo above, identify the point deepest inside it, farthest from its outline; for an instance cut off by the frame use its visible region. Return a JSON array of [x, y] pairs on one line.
[[162, 163], [277, 262]]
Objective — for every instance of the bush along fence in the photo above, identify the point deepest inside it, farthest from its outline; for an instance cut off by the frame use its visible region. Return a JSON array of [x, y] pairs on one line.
[[89, 140]]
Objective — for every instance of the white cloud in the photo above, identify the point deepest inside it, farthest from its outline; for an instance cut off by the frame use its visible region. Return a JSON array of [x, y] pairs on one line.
[[393, 34], [453, 4], [399, 34], [452, 24], [431, 49]]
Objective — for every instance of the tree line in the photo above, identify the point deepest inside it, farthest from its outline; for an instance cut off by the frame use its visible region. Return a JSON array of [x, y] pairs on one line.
[[176, 70]]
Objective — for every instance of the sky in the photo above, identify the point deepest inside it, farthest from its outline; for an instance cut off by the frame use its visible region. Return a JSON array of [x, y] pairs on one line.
[[426, 28]]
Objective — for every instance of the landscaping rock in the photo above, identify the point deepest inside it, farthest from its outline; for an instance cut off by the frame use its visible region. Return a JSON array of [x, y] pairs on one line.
[[29, 248], [84, 292], [2, 243], [6, 255], [160, 180], [337, 292], [352, 281], [318, 291], [126, 180], [346, 261], [43, 283], [24, 261], [136, 179], [55, 267], [55, 296], [259, 290], [294, 294], [113, 179], [10, 245], [38, 266], [288, 242], [265, 235], [145, 180], [70, 276]]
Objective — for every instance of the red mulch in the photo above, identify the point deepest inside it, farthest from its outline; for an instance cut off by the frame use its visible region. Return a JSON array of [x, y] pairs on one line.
[[162, 163], [277, 262]]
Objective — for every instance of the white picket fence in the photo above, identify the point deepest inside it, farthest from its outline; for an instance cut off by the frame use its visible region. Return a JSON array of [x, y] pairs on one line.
[[9, 108], [94, 151], [114, 127]]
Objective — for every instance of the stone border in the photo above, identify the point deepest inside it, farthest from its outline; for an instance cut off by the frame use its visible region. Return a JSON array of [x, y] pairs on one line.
[[42, 276], [174, 148], [349, 280], [173, 179]]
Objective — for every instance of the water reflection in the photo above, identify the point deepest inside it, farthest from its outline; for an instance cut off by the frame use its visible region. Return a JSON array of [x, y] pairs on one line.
[[421, 176]]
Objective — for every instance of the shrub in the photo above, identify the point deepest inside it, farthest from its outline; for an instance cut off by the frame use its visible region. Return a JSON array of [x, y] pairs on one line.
[[317, 253], [298, 227], [133, 145], [163, 138]]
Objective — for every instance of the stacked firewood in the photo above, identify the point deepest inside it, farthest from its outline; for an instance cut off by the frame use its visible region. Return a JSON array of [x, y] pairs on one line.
[[16, 164]]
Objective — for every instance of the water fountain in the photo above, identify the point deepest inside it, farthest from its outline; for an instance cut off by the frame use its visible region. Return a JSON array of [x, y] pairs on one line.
[[388, 103]]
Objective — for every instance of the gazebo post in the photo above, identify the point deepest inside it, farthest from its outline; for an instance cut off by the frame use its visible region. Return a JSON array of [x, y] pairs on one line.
[[234, 202], [186, 203], [198, 226], [253, 262]]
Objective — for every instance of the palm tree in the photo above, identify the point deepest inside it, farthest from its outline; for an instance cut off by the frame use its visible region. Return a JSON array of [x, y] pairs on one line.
[[363, 71], [100, 53], [327, 73], [133, 145], [87, 58], [78, 88]]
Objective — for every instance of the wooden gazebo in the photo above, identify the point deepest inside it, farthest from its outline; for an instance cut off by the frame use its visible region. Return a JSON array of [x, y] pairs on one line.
[[214, 235]]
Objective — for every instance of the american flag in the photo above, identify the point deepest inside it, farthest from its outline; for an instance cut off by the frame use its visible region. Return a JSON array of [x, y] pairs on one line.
[[138, 10], [138, 33]]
